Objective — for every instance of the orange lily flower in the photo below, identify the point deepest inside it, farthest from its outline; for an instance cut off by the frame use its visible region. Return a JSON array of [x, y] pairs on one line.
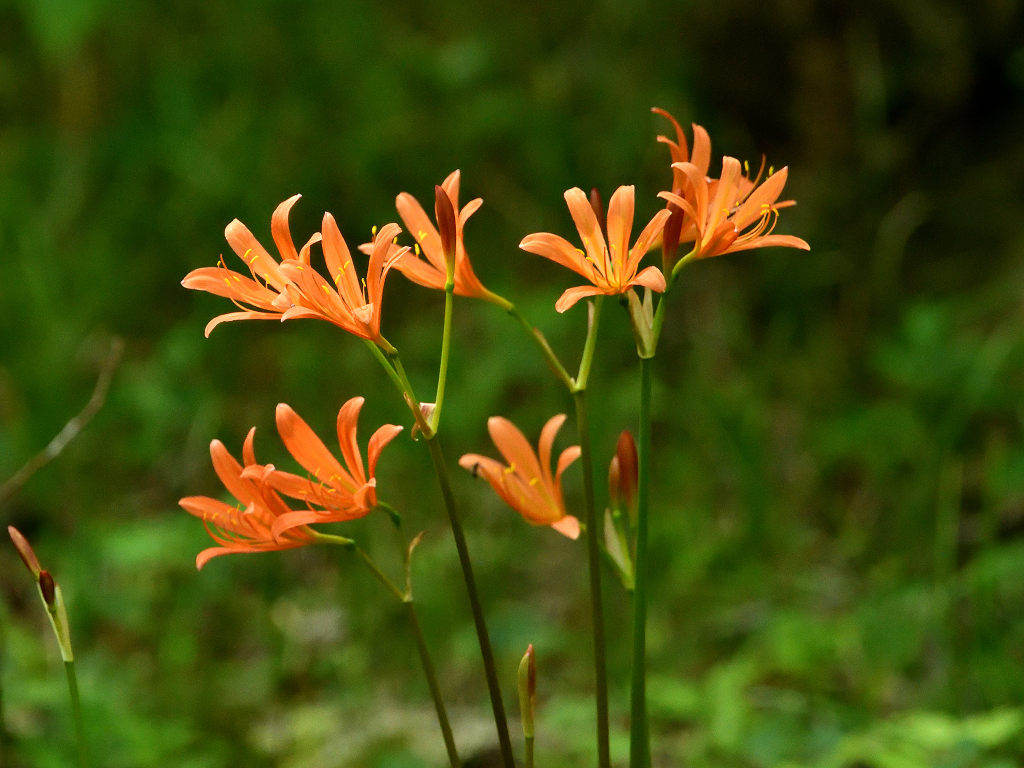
[[333, 492], [727, 215], [268, 293], [248, 528], [610, 266], [717, 211], [353, 307], [432, 271], [526, 483]]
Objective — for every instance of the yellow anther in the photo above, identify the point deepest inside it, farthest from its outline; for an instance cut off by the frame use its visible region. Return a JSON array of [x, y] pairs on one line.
[[534, 481], [421, 235], [580, 251], [771, 169], [416, 248], [511, 468], [746, 168], [326, 289], [395, 240], [373, 230]]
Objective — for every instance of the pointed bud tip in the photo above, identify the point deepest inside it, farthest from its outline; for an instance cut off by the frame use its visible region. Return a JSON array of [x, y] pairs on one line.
[[28, 556], [48, 588]]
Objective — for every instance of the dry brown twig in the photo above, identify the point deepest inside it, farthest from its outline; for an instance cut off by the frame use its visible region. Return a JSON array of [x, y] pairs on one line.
[[70, 430]]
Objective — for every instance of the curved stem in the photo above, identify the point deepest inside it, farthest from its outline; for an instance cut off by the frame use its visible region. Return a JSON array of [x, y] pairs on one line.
[[490, 671], [639, 736], [538, 338]]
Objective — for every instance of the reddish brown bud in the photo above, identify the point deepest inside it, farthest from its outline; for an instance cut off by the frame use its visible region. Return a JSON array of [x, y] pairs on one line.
[[527, 685], [28, 557], [623, 472], [48, 588], [670, 238], [445, 213]]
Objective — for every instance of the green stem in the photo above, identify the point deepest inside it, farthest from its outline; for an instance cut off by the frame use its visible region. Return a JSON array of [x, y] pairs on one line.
[[639, 736], [538, 338], [579, 397], [490, 670], [594, 567], [446, 343], [529, 752], [417, 631], [76, 712], [435, 689]]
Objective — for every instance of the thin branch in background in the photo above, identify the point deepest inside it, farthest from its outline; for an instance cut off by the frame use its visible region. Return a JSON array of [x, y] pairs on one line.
[[70, 430]]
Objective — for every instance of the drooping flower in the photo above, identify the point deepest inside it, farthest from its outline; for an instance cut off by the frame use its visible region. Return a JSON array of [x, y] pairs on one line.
[[268, 293], [334, 491], [349, 305], [526, 482], [610, 266], [247, 527], [431, 271], [727, 216]]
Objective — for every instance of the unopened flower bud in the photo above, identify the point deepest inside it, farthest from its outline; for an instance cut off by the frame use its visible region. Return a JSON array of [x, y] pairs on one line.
[[445, 213], [48, 589], [622, 473], [28, 557], [527, 679]]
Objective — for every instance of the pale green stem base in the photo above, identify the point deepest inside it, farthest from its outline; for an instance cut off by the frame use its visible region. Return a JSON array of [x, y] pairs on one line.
[[76, 712]]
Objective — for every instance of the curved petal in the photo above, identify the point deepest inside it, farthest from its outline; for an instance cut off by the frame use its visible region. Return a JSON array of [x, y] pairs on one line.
[[620, 227], [279, 229], [255, 256], [384, 435], [572, 295], [588, 227], [547, 439], [560, 251], [568, 526], [232, 316], [348, 420], [306, 448], [652, 278], [418, 224], [511, 443]]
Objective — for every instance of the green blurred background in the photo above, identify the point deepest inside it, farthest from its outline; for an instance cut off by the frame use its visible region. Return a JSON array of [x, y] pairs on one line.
[[838, 537]]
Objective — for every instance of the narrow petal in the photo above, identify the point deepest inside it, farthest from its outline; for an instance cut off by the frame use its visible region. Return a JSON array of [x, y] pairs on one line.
[[620, 227], [652, 278], [305, 447], [586, 224], [560, 251], [547, 439], [348, 420], [572, 295], [418, 224], [511, 443], [384, 435], [279, 229]]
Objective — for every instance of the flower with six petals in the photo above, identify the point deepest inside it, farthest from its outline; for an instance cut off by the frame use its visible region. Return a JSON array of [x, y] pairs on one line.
[[610, 265], [333, 491], [247, 527], [431, 271], [268, 293], [526, 482]]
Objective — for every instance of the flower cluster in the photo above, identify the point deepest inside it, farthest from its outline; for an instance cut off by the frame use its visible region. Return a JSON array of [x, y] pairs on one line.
[[713, 215], [263, 519]]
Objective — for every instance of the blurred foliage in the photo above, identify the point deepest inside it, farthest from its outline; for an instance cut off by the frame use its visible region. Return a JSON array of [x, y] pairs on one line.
[[840, 466]]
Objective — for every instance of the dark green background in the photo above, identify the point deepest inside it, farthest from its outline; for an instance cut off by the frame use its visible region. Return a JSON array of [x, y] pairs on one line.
[[839, 470]]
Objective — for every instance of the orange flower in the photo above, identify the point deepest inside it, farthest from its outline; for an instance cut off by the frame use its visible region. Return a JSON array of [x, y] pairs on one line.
[[353, 307], [728, 215], [247, 528], [611, 266], [268, 294], [432, 271], [526, 483], [717, 211], [333, 492]]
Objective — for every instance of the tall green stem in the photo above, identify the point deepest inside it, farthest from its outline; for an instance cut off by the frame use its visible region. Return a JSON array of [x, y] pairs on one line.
[[594, 567], [639, 736], [490, 671], [579, 397], [446, 343], [435, 689], [421, 646], [76, 712]]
